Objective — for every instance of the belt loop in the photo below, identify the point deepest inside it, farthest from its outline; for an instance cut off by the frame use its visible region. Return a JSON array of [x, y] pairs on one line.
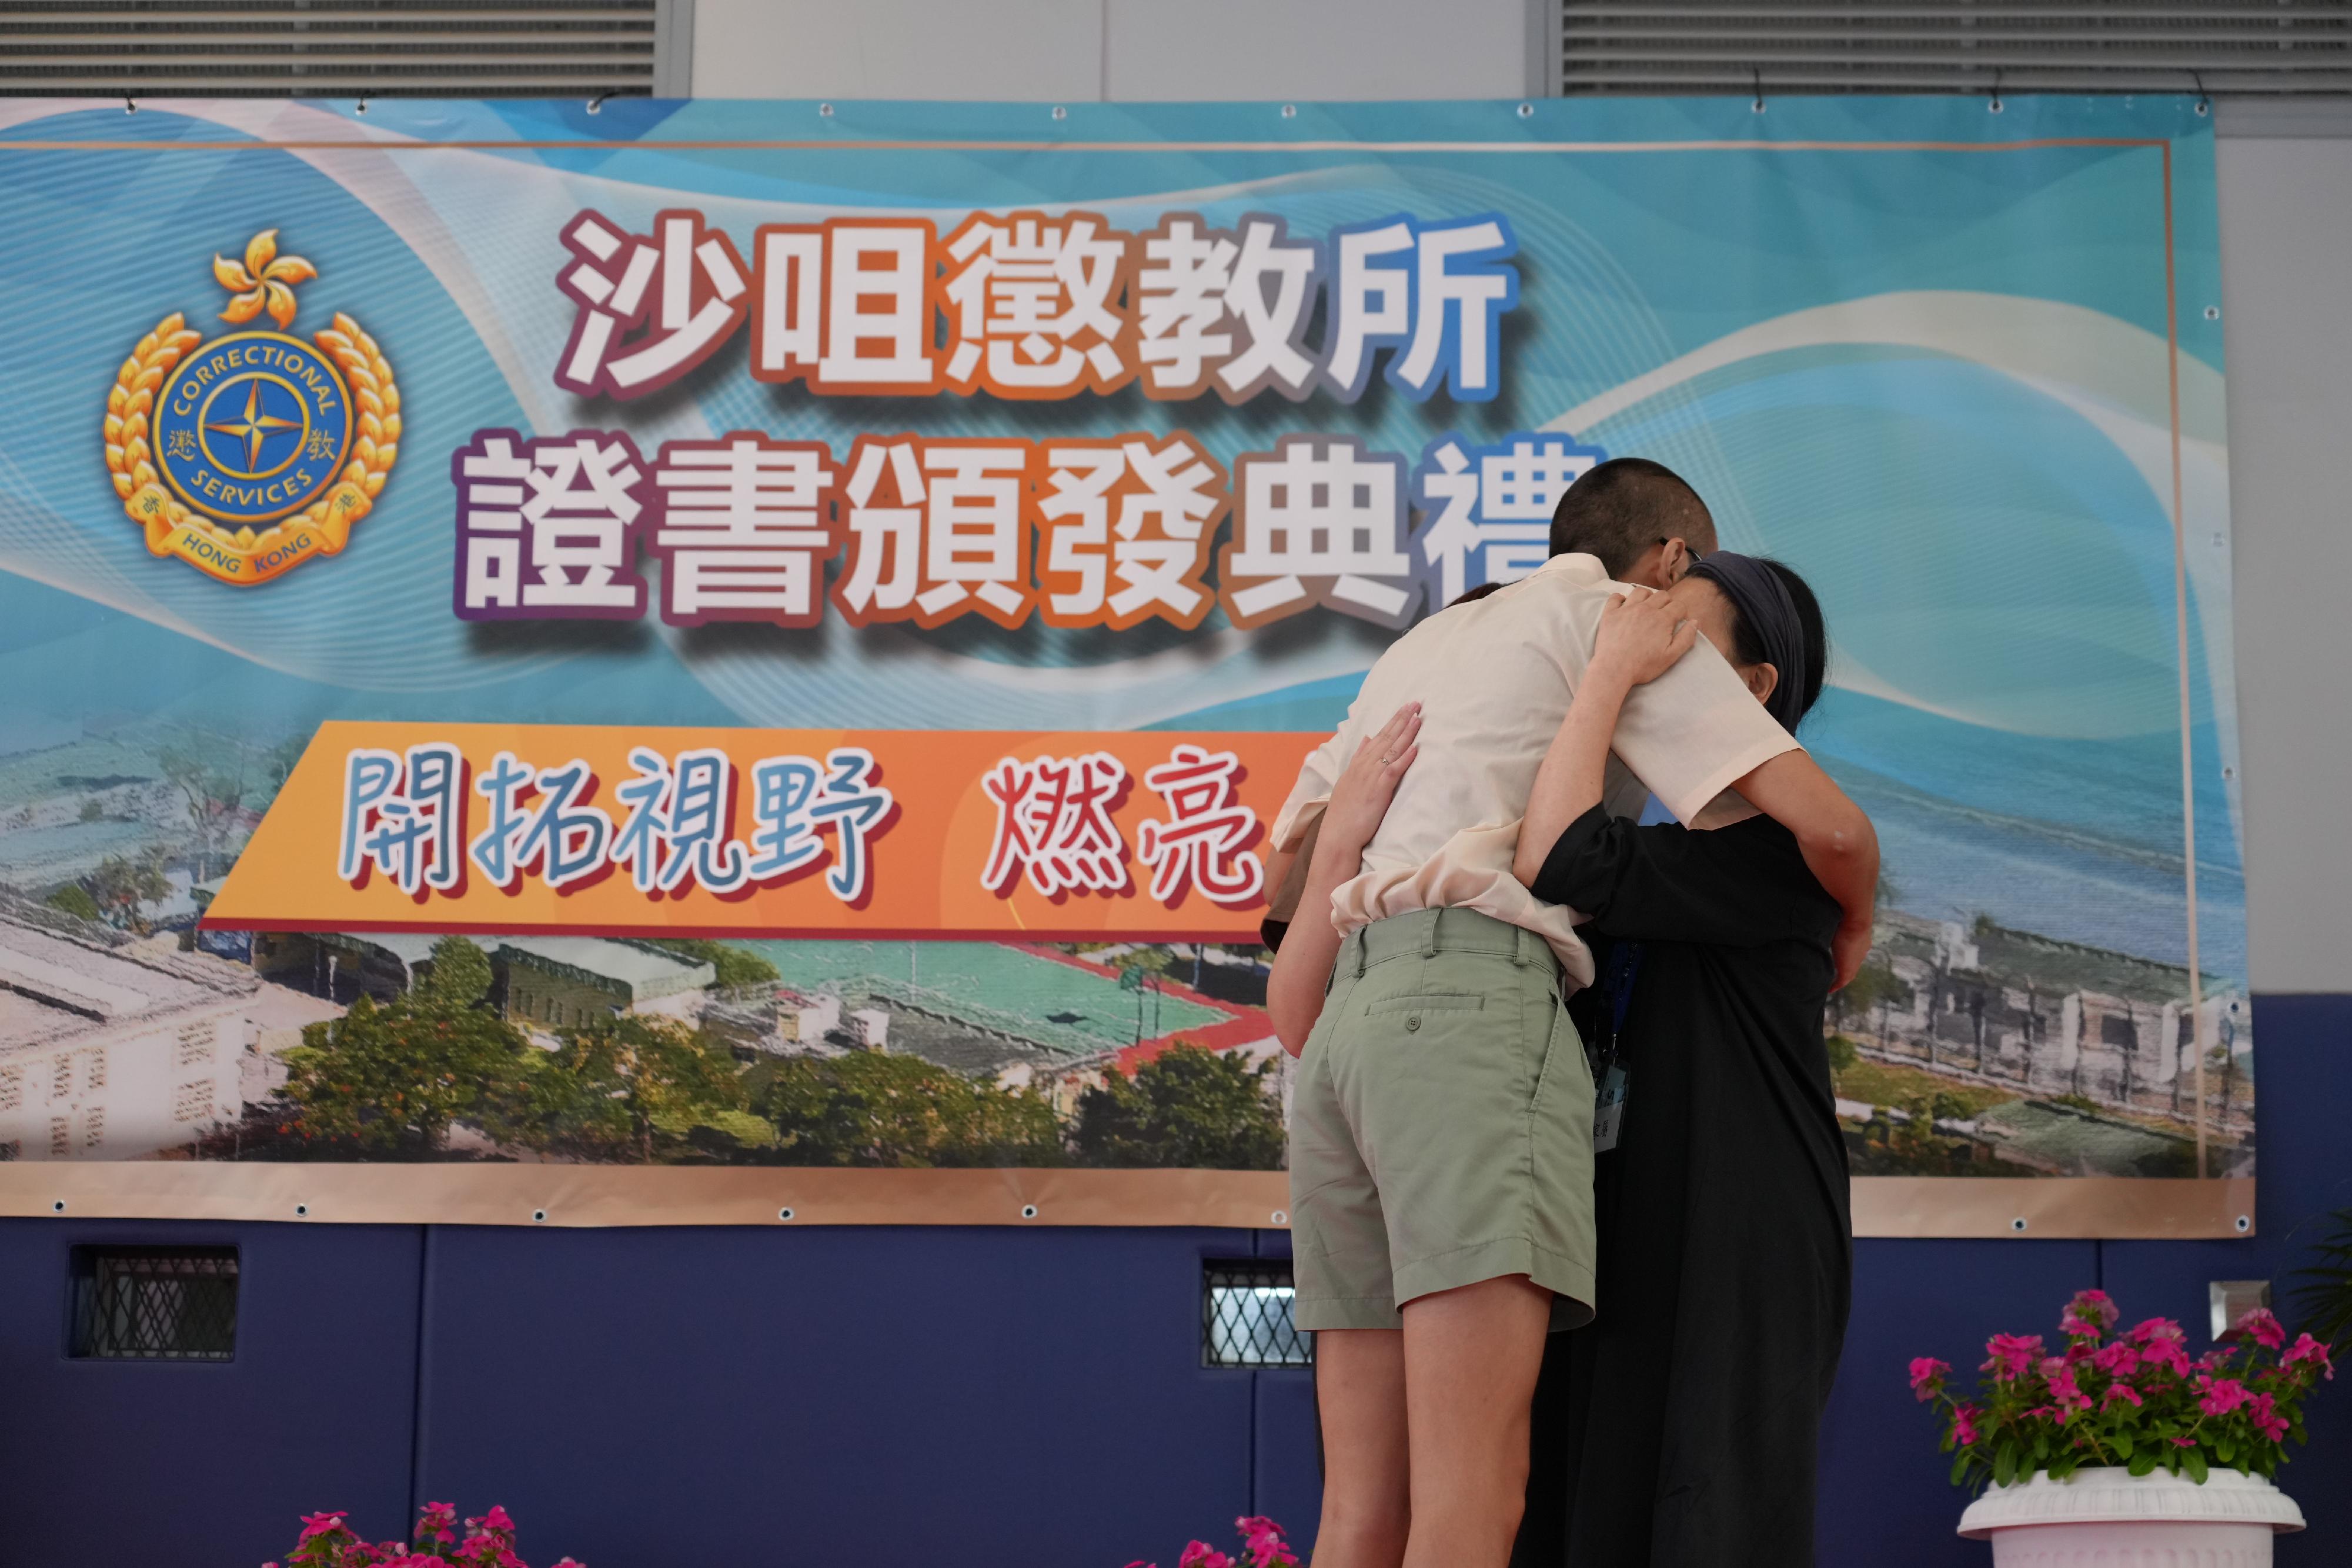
[[1429, 942], [1360, 944], [1522, 937]]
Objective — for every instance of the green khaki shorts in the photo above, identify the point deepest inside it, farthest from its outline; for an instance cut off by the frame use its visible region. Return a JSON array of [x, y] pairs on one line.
[[1440, 1131]]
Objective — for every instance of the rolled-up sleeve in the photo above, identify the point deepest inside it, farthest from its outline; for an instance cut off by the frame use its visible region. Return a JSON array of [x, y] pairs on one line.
[[1695, 730]]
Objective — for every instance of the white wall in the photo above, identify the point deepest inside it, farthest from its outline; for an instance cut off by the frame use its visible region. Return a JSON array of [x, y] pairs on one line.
[[2286, 315], [2286, 288], [1081, 51]]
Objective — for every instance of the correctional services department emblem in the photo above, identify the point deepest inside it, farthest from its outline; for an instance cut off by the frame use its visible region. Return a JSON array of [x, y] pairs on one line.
[[247, 455]]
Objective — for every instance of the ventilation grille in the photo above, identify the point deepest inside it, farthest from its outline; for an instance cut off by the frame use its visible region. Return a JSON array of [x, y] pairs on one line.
[[2006, 46], [1246, 1316], [154, 1303], [329, 49]]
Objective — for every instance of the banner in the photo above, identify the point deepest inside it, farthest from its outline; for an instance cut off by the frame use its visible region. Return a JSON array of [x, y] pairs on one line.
[[712, 662]]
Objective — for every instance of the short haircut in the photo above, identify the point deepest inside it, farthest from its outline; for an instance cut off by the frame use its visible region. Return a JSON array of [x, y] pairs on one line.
[[1620, 507]]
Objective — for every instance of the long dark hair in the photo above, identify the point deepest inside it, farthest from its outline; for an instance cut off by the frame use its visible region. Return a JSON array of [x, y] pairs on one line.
[[1748, 643]]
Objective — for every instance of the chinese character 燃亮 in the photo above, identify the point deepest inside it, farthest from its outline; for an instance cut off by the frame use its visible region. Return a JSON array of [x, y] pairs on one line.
[[1054, 823], [1201, 843]]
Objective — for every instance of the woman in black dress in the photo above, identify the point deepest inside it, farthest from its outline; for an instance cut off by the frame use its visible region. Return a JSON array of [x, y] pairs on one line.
[[1679, 1429]]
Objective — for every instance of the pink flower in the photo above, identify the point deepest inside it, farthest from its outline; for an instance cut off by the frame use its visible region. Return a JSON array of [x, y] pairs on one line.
[[2264, 1411], [2155, 1330], [2010, 1356], [1964, 1425], [2307, 1348], [2165, 1353], [2116, 1360], [2263, 1329], [317, 1524], [2184, 1442], [1927, 1376], [2220, 1395], [2090, 1314], [496, 1519], [1201, 1554], [2065, 1390], [2119, 1391]]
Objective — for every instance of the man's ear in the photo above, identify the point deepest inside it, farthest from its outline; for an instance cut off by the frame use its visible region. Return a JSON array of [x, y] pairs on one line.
[[1675, 558], [1762, 681]]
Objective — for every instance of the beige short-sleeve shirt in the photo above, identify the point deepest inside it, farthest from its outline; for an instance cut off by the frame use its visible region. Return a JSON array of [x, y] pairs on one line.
[[1494, 678]]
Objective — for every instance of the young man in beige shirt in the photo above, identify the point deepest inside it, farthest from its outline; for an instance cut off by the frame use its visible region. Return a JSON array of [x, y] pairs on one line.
[[1441, 1129]]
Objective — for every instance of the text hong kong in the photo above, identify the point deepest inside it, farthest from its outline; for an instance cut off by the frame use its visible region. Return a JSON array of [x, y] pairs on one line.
[[426, 818], [1079, 532]]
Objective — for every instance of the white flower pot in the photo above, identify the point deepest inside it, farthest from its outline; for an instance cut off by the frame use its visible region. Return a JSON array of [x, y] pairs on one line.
[[2109, 1517]]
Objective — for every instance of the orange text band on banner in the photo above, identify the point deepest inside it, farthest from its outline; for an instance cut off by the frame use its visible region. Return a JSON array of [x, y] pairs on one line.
[[626, 831]]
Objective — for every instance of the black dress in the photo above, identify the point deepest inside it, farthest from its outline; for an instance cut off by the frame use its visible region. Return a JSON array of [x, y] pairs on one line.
[[1678, 1430]]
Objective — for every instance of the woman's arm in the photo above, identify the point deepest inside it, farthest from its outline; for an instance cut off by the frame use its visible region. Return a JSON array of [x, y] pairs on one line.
[[1294, 991], [1639, 638]]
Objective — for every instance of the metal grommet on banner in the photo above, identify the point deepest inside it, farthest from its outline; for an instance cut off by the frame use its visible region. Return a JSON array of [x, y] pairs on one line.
[[1527, 111], [128, 105], [1289, 112], [784, 1214], [824, 111], [1061, 113], [539, 1217], [2245, 1223], [58, 1206], [301, 1210], [1758, 106], [1994, 108], [596, 104], [2018, 1224], [2204, 103], [2212, 312], [360, 106], [1280, 1217], [1028, 1211]]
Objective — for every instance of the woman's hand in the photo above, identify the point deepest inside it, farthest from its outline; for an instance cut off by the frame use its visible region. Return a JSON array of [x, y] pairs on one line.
[[1639, 638], [1361, 799]]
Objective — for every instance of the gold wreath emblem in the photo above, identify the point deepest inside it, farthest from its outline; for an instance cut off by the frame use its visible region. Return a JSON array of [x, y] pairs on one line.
[[241, 554]]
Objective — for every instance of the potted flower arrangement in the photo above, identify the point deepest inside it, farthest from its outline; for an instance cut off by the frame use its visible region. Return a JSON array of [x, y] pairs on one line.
[[2119, 1449], [487, 1542]]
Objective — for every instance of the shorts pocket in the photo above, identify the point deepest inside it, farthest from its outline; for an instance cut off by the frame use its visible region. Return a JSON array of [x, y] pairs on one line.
[[1438, 1001]]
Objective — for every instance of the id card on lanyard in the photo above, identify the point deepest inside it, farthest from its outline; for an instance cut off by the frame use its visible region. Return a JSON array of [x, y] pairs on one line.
[[1608, 1108]]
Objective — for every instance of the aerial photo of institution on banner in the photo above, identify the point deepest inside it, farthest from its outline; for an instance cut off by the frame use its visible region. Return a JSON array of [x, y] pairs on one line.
[[733, 663]]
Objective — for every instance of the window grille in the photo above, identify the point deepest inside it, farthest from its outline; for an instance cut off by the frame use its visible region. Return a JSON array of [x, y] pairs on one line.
[[192, 1102], [60, 1137], [12, 1089], [95, 1075], [93, 1126], [196, 1040], [2267, 47], [61, 1078], [170, 1303], [1246, 1316], [345, 48]]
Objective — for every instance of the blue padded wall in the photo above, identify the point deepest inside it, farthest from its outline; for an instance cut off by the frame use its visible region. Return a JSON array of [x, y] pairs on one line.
[[915, 1397]]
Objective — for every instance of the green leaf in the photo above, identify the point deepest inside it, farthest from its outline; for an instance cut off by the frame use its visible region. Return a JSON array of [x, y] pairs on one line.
[[2224, 1449], [2194, 1461], [2122, 1444], [2143, 1462], [2004, 1464], [2040, 1444], [1960, 1467]]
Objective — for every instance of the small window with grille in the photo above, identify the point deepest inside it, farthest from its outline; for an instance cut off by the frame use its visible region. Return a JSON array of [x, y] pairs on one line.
[[1245, 1319], [154, 1303]]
